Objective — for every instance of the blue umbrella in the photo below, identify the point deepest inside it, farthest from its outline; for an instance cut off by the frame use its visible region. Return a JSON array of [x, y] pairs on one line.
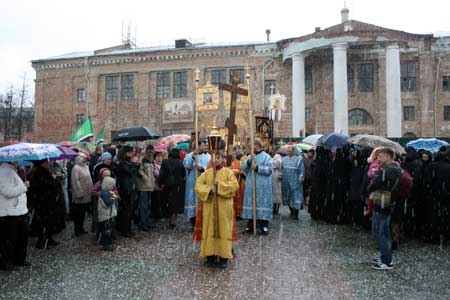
[[431, 144], [28, 151], [183, 146], [333, 140]]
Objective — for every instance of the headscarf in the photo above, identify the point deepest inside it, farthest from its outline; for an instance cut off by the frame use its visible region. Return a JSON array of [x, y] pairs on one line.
[[108, 183], [105, 156]]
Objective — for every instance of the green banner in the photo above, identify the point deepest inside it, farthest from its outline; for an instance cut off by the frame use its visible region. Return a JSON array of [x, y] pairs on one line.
[[101, 136], [83, 132]]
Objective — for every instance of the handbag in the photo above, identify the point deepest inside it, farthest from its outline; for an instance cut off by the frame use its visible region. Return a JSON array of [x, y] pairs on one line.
[[383, 199]]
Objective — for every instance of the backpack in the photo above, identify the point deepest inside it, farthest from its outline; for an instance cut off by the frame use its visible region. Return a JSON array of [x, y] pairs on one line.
[[405, 187]]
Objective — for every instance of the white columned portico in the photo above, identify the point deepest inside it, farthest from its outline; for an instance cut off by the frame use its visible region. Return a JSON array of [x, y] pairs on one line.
[[340, 88], [393, 92], [298, 95]]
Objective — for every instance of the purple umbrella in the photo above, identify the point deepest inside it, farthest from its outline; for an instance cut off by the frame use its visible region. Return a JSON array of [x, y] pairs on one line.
[[67, 153]]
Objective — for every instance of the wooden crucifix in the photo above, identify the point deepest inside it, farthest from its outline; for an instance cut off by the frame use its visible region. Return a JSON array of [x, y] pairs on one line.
[[230, 123]]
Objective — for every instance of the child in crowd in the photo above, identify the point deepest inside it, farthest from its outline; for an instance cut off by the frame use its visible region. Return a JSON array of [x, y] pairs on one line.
[[107, 211]]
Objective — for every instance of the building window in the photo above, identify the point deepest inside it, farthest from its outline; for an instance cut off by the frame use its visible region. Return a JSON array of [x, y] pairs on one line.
[[350, 78], [359, 117], [308, 114], [408, 113], [80, 119], [308, 79], [270, 87], [446, 113], [81, 95], [241, 75], [446, 83], [218, 76], [167, 132], [365, 77], [408, 76], [180, 84], [112, 88], [127, 87], [163, 85]]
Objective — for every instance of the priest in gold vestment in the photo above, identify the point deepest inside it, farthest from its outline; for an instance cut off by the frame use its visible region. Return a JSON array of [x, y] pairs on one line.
[[217, 250]]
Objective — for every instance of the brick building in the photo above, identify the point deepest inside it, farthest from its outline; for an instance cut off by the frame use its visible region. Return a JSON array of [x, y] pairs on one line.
[[353, 77]]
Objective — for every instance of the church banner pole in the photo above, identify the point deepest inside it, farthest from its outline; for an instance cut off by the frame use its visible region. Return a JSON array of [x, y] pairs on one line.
[[197, 81], [213, 143], [252, 147]]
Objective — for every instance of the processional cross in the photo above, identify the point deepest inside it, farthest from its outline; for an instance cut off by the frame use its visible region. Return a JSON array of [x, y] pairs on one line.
[[230, 123]]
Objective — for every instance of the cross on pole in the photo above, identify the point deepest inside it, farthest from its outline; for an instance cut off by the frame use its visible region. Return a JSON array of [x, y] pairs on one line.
[[230, 123]]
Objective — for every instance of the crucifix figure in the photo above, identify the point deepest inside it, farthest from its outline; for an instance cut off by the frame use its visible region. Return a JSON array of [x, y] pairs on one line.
[[230, 123]]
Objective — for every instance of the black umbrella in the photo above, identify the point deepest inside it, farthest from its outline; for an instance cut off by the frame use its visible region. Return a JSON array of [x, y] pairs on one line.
[[136, 134]]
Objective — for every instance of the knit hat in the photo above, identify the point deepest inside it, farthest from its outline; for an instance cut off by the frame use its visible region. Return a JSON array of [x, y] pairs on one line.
[[108, 183], [105, 156]]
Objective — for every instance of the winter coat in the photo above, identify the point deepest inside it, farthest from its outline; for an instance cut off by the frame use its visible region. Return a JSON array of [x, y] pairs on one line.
[[13, 197], [45, 196], [106, 211], [388, 179], [81, 184], [146, 178]]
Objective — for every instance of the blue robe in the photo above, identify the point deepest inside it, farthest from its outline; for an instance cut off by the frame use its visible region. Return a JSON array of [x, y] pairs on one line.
[[291, 172], [190, 208], [263, 178]]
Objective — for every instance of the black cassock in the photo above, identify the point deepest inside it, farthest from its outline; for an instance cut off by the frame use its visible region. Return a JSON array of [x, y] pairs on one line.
[[436, 198], [322, 173]]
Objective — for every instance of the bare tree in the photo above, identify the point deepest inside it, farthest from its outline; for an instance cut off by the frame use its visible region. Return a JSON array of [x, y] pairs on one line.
[[23, 97]]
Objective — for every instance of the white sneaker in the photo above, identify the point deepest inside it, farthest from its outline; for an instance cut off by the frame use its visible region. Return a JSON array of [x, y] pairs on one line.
[[381, 266]]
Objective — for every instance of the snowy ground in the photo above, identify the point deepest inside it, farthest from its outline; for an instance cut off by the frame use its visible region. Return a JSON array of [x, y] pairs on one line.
[[298, 260]]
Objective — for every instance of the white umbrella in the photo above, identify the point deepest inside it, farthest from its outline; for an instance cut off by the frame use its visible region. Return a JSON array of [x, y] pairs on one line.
[[312, 139]]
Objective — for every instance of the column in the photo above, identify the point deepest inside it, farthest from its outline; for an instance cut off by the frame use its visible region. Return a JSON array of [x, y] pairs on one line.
[[340, 88], [298, 95], [393, 93]]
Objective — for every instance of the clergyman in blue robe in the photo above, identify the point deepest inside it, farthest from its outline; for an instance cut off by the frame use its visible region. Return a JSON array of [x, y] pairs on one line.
[[292, 171], [262, 166], [190, 204]]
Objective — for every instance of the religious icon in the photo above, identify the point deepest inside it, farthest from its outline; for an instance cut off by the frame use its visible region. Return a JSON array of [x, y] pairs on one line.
[[277, 105], [207, 98]]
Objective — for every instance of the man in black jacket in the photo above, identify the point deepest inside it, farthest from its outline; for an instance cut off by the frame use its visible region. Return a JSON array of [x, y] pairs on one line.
[[384, 185]]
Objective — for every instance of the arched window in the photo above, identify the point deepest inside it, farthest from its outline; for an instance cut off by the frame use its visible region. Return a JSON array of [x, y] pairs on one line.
[[359, 116], [409, 135]]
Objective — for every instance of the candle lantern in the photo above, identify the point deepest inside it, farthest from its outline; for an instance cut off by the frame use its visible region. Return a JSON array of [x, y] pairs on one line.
[[214, 141]]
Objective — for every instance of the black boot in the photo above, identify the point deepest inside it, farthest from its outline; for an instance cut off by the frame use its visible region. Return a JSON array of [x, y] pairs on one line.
[[275, 208], [295, 214], [223, 263]]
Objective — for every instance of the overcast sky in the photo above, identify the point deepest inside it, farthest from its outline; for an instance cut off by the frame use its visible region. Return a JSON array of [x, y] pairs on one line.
[[32, 29]]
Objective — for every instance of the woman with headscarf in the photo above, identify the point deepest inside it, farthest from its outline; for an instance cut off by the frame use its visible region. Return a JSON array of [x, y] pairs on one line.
[[436, 199], [358, 168], [105, 163], [420, 192], [13, 218], [46, 201], [126, 173], [81, 193], [336, 208], [413, 165], [321, 187], [171, 178]]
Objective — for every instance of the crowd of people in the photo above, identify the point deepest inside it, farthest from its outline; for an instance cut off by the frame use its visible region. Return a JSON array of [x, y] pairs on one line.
[[128, 188]]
